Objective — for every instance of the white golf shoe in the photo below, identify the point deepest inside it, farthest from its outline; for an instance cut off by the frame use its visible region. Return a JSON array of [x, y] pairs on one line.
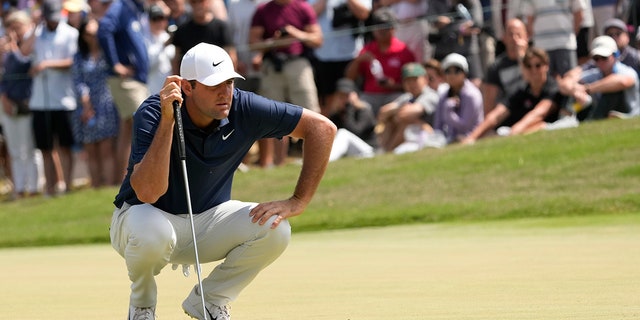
[[192, 306]]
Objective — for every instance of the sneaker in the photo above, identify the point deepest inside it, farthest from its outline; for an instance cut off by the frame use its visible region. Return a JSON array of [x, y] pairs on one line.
[[192, 306], [137, 313]]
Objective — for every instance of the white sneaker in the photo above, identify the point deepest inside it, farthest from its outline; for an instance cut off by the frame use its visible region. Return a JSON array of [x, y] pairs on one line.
[[192, 306], [137, 313]]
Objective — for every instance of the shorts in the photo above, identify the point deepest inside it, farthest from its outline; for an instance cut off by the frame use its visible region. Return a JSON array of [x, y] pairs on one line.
[[583, 42], [293, 84], [561, 61], [127, 94], [49, 125], [327, 73]]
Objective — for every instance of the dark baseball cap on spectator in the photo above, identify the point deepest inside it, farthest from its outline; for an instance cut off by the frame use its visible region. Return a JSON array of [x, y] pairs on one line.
[[345, 85], [615, 23], [52, 10], [384, 16], [156, 12]]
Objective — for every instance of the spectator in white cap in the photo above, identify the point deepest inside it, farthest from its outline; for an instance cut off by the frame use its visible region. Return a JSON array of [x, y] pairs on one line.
[[150, 228], [460, 108], [609, 90]]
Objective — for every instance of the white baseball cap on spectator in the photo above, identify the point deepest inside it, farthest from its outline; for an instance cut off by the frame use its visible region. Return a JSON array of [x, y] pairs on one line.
[[455, 60], [603, 46], [208, 64]]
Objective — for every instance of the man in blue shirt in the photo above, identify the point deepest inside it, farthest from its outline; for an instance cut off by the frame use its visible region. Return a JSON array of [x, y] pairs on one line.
[[150, 226], [121, 36]]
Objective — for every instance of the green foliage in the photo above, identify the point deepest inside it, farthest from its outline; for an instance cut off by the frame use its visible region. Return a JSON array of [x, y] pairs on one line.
[[590, 170]]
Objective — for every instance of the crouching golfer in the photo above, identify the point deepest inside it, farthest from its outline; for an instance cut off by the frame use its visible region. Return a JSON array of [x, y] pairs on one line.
[[151, 226]]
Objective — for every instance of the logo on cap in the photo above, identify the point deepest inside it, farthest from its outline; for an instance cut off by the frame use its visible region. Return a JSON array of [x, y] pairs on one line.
[[217, 64]]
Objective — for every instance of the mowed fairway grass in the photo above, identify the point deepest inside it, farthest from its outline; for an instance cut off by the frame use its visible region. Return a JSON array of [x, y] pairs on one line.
[[544, 226]]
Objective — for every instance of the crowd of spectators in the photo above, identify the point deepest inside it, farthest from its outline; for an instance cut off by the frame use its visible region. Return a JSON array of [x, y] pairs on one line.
[[394, 75]]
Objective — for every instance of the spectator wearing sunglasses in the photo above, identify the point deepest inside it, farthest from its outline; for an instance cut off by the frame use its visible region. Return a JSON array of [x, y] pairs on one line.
[[609, 90], [533, 105], [618, 30], [460, 108]]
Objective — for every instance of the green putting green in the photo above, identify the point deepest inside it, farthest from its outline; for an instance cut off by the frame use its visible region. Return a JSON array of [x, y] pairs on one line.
[[566, 268]]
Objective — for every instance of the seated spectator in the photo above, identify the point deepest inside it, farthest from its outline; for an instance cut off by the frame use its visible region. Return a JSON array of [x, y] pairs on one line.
[[435, 75], [617, 29], [535, 102], [610, 90], [380, 62], [355, 121], [459, 109], [416, 106]]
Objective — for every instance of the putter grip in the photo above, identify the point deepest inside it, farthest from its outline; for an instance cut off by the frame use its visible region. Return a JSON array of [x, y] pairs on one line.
[[180, 130]]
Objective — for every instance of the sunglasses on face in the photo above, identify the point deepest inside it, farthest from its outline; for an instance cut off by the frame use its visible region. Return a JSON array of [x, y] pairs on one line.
[[614, 34], [599, 58], [453, 70]]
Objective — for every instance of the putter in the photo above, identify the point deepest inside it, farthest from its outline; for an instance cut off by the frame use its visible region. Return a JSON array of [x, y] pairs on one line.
[[183, 159]]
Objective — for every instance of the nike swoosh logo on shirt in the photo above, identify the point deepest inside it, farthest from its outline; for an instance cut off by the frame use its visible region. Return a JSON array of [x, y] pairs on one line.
[[225, 137]]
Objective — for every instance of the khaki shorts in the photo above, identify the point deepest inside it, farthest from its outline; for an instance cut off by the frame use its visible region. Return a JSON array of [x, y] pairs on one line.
[[294, 84], [127, 94]]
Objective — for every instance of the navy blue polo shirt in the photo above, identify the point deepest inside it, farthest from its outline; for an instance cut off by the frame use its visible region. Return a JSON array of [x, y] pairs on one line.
[[212, 158]]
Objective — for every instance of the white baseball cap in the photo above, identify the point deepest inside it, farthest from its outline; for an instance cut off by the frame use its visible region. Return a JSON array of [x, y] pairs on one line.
[[455, 60], [603, 46], [207, 64]]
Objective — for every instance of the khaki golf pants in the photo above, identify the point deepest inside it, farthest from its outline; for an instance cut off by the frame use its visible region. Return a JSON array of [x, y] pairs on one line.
[[149, 239]]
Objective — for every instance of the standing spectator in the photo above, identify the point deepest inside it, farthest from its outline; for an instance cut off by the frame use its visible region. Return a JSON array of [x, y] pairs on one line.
[[355, 121], [585, 34], [15, 89], [456, 29], [52, 47], [554, 25], [413, 28], [459, 109], [290, 30], [98, 8], [501, 78], [603, 10], [121, 36], [219, 9], [96, 119], [179, 12], [339, 47], [535, 103], [76, 10], [240, 15], [416, 106], [202, 27], [380, 62], [610, 90], [160, 51]]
